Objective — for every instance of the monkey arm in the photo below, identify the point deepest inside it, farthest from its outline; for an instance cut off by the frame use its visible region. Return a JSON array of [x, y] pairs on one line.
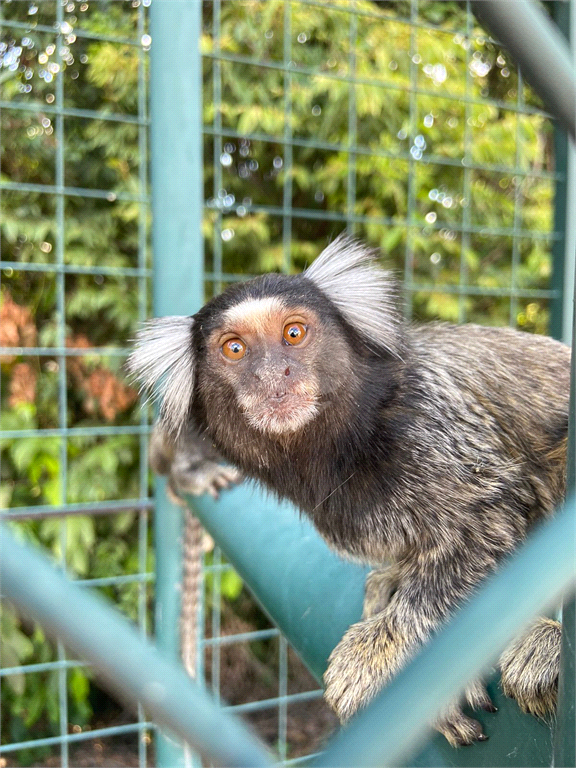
[[420, 592], [191, 463]]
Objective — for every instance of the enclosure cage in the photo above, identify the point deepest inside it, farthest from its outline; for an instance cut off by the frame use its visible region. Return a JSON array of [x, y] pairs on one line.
[[404, 122]]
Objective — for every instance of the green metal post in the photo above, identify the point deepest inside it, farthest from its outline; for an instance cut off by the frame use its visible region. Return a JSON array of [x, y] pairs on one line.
[[177, 204], [307, 590], [539, 48], [564, 249]]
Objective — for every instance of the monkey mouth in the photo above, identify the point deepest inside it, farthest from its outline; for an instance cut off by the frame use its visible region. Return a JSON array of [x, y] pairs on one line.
[[282, 412]]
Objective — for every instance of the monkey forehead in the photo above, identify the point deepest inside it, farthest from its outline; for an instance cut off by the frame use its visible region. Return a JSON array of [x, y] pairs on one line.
[[260, 316]]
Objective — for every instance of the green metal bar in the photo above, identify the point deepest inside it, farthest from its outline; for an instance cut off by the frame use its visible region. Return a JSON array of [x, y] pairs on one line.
[[307, 590], [116, 581], [564, 250], [515, 263], [75, 269], [136, 671], [375, 152], [84, 508], [287, 136], [284, 698], [176, 168], [538, 573], [71, 738], [143, 286], [241, 637], [538, 47], [47, 666], [25, 25], [299, 70], [90, 114], [310, 213], [276, 701], [444, 288], [352, 120], [467, 181], [66, 351], [54, 189], [60, 243]]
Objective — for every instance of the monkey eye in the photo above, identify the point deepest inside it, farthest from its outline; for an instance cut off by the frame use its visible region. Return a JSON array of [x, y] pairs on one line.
[[294, 333], [234, 349]]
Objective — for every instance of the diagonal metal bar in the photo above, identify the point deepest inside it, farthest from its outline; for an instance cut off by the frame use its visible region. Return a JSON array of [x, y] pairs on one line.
[[535, 576], [134, 670], [539, 48]]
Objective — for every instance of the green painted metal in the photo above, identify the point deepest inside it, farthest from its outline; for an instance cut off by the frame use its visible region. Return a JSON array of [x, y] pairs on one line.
[[310, 593], [129, 666], [176, 175], [564, 249], [521, 26], [72, 738]]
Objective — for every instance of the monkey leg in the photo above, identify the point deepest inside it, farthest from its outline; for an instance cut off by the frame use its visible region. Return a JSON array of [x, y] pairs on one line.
[[403, 605], [530, 668]]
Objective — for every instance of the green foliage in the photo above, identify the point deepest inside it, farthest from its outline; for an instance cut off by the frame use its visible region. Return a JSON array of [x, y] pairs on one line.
[[363, 144]]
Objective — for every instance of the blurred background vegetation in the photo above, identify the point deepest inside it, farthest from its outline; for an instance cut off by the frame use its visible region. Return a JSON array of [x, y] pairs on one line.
[[452, 177]]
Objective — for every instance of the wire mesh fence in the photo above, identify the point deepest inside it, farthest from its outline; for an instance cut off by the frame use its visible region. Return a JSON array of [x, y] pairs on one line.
[[404, 122], [71, 229]]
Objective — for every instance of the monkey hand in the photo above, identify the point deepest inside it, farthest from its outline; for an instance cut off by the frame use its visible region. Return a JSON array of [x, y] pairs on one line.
[[530, 668], [369, 654], [199, 477], [192, 464]]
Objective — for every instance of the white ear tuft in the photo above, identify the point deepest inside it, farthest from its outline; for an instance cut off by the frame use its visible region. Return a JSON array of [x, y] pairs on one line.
[[163, 362], [364, 293]]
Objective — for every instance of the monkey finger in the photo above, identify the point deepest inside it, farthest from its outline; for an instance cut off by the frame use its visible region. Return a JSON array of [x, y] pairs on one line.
[[477, 697], [459, 729], [211, 491], [221, 482], [231, 474]]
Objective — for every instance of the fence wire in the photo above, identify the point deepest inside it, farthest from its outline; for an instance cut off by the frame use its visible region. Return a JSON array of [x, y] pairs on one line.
[[289, 162]]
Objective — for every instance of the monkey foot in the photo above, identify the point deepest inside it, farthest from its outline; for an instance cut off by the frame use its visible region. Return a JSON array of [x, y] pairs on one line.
[[530, 668], [459, 729]]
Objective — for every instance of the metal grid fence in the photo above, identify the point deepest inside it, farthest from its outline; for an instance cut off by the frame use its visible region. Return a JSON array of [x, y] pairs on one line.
[[254, 185], [47, 46]]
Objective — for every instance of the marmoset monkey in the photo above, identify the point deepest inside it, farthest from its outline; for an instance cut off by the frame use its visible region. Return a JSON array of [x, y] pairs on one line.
[[431, 448]]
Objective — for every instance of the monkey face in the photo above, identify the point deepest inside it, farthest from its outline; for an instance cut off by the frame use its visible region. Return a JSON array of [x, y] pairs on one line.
[[275, 353], [270, 352]]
